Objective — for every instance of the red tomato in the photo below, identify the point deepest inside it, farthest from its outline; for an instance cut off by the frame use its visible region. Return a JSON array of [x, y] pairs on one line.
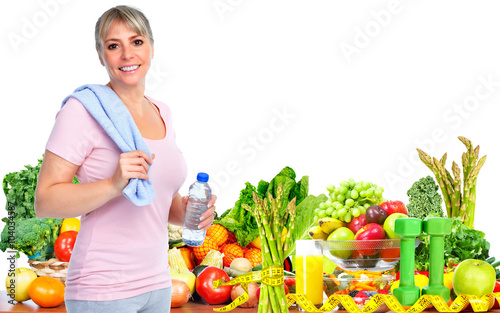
[[395, 206], [63, 247], [497, 286], [289, 281], [204, 286]]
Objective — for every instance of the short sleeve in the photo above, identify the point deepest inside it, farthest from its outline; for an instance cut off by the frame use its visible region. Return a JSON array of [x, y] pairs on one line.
[[74, 133]]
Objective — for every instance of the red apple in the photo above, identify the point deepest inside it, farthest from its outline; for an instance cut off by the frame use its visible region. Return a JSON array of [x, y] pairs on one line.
[[357, 223], [395, 206], [371, 231]]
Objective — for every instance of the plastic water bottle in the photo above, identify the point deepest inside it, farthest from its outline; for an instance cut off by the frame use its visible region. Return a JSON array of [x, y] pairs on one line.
[[199, 196]]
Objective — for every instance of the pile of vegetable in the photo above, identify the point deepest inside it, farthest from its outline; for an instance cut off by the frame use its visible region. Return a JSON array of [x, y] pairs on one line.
[[241, 222], [23, 231], [459, 193]]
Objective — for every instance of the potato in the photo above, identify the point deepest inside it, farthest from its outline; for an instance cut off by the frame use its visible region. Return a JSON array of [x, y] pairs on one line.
[[242, 264]]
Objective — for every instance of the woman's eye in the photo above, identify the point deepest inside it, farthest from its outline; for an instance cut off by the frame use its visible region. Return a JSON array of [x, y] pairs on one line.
[[138, 42], [112, 46]]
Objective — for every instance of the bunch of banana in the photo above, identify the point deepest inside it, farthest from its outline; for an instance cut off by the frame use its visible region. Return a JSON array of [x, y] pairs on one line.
[[325, 227]]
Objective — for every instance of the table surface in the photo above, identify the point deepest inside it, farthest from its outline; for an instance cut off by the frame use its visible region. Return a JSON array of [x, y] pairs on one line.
[[190, 307]]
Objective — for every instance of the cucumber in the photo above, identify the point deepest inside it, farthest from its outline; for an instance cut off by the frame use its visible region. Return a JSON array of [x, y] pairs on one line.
[[496, 264], [198, 269], [175, 243], [490, 260]]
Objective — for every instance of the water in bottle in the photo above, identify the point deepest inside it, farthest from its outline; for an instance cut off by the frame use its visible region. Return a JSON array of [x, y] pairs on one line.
[[199, 196]]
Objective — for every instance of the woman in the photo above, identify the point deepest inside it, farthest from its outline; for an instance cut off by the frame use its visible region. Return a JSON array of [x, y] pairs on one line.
[[119, 262]]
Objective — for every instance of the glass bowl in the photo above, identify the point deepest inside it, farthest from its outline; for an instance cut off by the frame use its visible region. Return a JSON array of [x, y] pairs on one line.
[[375, 255], [360, 285]]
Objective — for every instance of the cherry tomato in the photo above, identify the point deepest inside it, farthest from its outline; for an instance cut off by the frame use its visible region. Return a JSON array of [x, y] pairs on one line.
[[63, 247]]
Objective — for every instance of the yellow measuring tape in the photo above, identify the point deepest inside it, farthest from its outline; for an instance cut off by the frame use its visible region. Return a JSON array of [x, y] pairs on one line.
[[273, 276], [479, 304]]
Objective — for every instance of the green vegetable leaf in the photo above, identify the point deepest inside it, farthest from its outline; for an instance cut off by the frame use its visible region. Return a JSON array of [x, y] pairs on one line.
[[304, 217]]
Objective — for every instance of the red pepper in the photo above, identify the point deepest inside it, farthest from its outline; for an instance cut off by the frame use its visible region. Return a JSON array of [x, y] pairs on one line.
[[425, 273]]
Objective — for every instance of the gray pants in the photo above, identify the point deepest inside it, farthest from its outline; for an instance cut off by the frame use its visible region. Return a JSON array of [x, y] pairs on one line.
[[157, 301]]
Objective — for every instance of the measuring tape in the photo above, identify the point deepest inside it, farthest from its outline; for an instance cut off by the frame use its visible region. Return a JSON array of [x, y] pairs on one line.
[[479, 304], [273, 276]]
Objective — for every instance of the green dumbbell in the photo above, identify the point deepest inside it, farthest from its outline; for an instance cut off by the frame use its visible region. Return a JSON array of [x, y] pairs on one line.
[[408, 229], [437, 228]]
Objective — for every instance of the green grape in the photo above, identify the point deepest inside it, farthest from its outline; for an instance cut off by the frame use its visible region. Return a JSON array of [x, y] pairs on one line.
[[362, 193], [345, 184], [332, 195], [366, 205], [341, 198], [349, 202], [329, 211], [348, 194], [358, 187], [341, 190], [347, 217], [362, 209], [316, 211], [328, 203], [341, 212], [322, 213], [369, 192], [366, 185], [356, 212], [330, 188], [378, 192], [351, 182], [335, 214], [334, 204], [339, 206], [322, 205], [354, 194]]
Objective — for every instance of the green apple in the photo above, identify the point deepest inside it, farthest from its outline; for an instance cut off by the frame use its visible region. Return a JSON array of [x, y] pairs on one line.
[[18, 283], [341, 233], [187, 277], [389, 223], [474, 277]]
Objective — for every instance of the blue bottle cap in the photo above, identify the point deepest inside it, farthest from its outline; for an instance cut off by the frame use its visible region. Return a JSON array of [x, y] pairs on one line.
[[203, 177]]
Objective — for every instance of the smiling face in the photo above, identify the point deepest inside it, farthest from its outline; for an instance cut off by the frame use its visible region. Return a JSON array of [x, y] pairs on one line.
[[126, 55]]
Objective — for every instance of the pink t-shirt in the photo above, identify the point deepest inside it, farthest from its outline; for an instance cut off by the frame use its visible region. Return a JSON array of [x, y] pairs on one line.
[[121, 249]]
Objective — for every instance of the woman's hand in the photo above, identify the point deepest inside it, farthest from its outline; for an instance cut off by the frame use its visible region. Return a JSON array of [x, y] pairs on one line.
[[133, 164], [207, 218]]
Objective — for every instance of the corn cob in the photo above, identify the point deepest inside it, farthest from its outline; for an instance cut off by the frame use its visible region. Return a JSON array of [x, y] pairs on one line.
[[213, 258], [176, 260]]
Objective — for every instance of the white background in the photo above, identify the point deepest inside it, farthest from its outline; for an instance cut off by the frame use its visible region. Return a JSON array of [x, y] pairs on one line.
[[334, 89]]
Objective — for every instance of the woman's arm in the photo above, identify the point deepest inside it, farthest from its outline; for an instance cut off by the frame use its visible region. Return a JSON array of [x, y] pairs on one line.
[[56, 196], [178, 212]]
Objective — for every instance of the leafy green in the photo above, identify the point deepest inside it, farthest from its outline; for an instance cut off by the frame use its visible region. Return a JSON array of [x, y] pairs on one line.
[[304, 217], [238, 220], [242, 223], [424, 200], [461, 244], [23, 231]]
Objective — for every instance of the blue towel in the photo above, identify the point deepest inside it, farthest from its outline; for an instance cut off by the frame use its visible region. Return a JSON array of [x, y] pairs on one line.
[[110, 112]]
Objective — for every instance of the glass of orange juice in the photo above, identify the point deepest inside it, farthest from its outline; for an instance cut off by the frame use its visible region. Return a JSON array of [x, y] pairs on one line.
[[309, 270]]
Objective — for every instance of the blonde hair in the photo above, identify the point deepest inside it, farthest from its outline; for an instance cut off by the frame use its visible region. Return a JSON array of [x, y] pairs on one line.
[[132, 17]]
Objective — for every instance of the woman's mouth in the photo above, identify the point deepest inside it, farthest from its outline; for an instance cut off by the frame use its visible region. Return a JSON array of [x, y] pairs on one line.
[[129, 68]]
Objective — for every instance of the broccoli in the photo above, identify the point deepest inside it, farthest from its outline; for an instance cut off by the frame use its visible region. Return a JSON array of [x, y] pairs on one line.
[[31, 236], [424, 200]]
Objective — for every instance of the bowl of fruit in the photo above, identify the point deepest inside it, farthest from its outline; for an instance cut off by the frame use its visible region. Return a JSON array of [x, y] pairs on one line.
[[361, 286], [367, 241]]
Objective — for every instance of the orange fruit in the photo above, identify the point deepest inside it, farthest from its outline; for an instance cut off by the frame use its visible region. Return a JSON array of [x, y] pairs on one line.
[[218, 233], [231, 251], [46, 291], [201, 251]]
